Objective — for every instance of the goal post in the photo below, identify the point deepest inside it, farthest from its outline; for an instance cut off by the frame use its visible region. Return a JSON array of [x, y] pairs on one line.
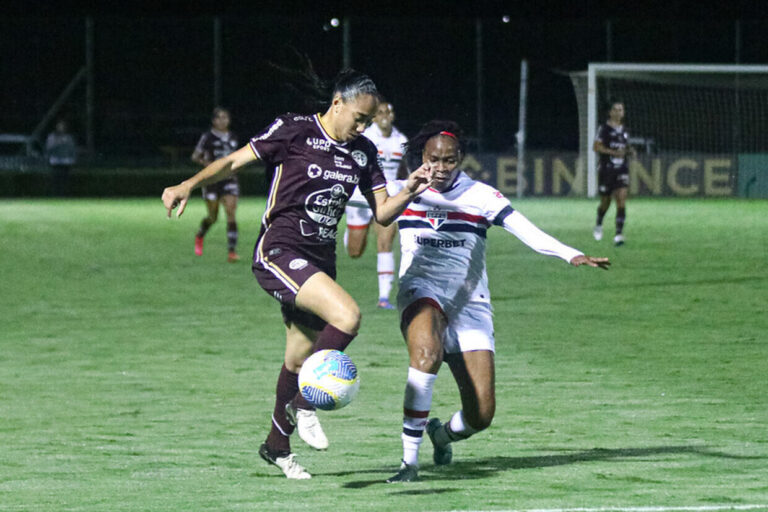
[[675, 108]]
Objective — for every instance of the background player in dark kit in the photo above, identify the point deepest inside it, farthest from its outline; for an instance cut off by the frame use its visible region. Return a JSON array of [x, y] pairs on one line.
[[317, 160], [612, 146], [216, 143]]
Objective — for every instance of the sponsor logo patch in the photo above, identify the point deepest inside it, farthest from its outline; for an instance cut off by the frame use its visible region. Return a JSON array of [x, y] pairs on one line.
[[319, 144], [314, 170], [297, 264]]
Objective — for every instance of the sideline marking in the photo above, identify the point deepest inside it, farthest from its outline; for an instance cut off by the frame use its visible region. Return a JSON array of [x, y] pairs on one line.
[[703, 508]]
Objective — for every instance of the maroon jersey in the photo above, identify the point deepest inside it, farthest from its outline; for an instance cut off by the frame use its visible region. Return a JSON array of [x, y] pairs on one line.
[[314, 176], [612, 138], [214, 144]]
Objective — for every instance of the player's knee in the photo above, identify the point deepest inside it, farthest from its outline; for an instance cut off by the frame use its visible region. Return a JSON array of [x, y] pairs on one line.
[[426, 359], [482, 418], [348, 318]]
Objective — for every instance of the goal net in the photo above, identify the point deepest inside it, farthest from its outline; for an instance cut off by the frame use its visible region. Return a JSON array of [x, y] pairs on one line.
[[690, 124]]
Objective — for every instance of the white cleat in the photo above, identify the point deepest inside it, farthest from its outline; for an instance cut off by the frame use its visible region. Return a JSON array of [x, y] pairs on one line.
[[308, 425], [597, 232], [618, 240], [286, 462]]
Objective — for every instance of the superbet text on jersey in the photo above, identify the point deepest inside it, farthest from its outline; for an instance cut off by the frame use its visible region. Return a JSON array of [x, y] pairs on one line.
[[442, 236]]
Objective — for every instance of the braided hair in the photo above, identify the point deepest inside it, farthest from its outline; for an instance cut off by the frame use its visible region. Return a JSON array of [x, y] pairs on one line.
[[415, 145]]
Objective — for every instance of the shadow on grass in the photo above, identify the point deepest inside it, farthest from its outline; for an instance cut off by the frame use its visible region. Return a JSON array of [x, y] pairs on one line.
[[481, 468]]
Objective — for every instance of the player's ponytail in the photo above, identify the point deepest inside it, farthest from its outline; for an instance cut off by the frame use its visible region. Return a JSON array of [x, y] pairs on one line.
[[301, 80]]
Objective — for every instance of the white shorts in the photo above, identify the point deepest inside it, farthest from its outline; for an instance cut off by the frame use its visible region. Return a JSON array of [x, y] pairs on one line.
[[470, 327], [358, 217]]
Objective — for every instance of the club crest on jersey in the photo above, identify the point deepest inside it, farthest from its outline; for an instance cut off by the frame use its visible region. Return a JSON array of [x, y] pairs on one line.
[[436, 218], [360, 157]]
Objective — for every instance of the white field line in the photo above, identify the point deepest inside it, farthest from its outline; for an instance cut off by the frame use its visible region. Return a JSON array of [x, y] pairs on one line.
[[702, 508]]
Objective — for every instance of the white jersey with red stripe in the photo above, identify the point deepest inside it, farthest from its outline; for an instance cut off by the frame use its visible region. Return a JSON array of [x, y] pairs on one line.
[[390, 150], [442, 239]]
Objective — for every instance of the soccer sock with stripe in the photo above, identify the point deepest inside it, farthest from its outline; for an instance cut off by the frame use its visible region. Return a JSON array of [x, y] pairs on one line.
[[454, 430], [621, 216], [416, 406], [231, 236], [287, 387], [386, 269]]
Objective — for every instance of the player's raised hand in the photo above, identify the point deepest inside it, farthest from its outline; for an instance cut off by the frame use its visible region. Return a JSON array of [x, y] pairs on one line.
[[176, 196], [420, 179], [603, 263]]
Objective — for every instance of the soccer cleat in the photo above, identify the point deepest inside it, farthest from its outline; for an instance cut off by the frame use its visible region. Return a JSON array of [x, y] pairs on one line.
[[285, 461], [308, 425], [233, 257], [385, 304], [618, 240], [406, 473], [443, 454], [199, 245], [598, 233]]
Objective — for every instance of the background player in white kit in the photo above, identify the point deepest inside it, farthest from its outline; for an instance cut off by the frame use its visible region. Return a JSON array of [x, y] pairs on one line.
[[443, 316], [389, 142]]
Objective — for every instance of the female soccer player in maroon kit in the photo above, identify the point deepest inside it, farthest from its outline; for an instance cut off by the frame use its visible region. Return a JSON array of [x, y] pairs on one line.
[[318, 160], [216, 143]]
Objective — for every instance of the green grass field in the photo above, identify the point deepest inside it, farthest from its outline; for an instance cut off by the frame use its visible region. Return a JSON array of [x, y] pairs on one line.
[[135, 376]]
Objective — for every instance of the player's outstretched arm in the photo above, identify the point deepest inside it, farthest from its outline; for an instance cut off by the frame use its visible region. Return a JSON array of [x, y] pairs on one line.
[[178, 195], [387, 208], [591, 261]]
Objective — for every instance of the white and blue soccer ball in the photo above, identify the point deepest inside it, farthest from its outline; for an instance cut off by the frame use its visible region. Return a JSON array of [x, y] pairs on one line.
[[328, 379]]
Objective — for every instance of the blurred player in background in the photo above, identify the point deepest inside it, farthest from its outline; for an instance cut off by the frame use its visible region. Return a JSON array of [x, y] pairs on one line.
[[216, 143], [389, 142], [61, 151], [318, 160], [612, 147], [444, 299]]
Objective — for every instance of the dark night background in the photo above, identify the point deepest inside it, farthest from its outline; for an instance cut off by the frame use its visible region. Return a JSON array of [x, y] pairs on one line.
[[153, 69]]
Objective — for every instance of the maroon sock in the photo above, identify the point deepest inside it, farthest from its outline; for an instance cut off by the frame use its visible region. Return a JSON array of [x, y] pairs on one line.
[[332, 338], [287, 386], [329, 338]]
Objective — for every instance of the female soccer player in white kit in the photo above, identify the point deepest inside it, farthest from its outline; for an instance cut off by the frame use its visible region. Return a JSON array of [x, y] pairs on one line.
[[389, 142], [444, 299]]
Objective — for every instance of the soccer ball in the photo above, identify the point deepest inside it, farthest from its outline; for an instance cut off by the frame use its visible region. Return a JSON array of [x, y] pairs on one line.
[[328, 379]]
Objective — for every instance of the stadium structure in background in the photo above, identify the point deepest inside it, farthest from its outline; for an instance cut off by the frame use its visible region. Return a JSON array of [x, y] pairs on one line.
[[139, 107]]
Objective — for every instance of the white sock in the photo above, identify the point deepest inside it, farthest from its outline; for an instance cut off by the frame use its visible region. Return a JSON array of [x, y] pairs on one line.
[[416, 405], [386, 269], [346, 238]]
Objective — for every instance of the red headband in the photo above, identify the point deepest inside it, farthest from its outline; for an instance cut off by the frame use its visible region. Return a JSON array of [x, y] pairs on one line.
[[449, 134]]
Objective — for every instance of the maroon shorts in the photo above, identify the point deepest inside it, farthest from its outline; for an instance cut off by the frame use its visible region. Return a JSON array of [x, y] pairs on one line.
[[281, 272], [226, 187], [610, 179]]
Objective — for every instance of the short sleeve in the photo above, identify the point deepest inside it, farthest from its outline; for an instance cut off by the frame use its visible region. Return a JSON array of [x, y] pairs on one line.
[[271, 144], [371, 177], [600, 135]]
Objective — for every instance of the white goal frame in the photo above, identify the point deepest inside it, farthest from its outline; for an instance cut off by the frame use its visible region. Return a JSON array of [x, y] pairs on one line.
[[625, 70]]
